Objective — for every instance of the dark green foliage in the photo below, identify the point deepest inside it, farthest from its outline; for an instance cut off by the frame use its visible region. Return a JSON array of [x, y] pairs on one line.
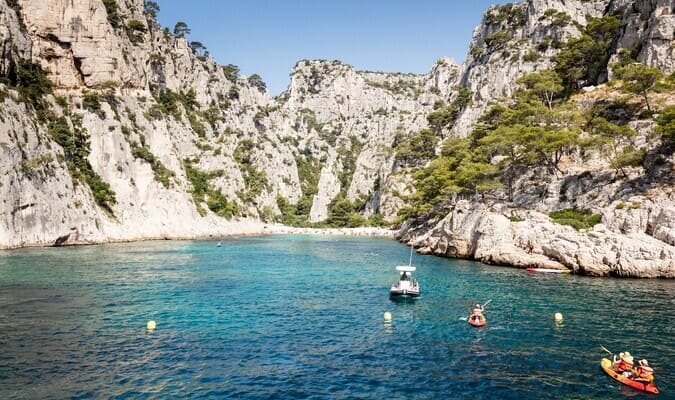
[[400, 87], [181, 29], [497, 40], [629, 157], [254, 179], [558, 18], [196, 125], [203, 191], [666, 124], [162, 174], [546, 84], [417, 150], [212, 116], [619, 111], [531, 56], [76, 148], [289, 213], [583, 60], [376, 220], [344, 213], [577, 218], [510, 14], [91, 102], [309, 170], [135, 31], [32, 84], [151, 8], [168, 101], [444, 118], [348, 158], [638, 79], [231, 72], [257, 82], [113, 15], [525, 133], [198, 48]]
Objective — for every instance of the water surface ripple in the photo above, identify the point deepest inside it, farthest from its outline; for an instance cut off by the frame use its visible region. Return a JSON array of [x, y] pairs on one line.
[[301, 317]]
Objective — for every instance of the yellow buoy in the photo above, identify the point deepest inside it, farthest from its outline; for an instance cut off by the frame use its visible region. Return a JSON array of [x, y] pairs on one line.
[[152, 325], [558, 317], [387, 316]]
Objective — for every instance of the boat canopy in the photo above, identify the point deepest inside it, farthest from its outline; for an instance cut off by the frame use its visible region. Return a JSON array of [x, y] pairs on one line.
[[405, 268]]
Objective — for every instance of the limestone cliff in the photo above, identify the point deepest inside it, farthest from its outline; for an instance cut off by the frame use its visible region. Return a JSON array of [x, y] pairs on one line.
[[172, 144]]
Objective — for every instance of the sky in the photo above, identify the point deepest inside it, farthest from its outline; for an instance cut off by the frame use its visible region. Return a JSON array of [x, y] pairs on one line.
[[269, 37]]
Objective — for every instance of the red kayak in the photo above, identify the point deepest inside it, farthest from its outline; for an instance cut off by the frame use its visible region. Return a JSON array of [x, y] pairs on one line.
[[648, 387], [477, 320]]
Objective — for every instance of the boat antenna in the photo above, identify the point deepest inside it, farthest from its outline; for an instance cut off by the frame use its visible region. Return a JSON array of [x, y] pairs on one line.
[[411, 251]]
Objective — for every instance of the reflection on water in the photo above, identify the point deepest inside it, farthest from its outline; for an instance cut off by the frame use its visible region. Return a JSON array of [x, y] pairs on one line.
[[302, 316]]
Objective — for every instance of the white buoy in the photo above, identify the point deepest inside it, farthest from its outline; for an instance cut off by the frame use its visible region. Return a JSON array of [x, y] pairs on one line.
[[152, 325], [558, 317], [387, 316]]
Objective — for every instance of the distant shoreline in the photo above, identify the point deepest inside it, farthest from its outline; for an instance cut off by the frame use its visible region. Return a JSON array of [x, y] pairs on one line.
[[252, 230]]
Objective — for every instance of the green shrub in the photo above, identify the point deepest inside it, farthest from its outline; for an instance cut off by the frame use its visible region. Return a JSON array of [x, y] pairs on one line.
[[202, 191], [444, 118], [76, 148], [417, 150], [135, 31], [91, 102], [497, 40], [162, 174], [32, 84], [113, 15], [577, 218], [666, 124]]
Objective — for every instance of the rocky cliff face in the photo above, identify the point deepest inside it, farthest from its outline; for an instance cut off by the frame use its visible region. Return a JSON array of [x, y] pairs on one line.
[[141, 135], [186, 146]]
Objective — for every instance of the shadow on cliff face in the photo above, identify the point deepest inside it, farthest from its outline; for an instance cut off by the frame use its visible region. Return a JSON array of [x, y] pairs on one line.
[[62, 240]]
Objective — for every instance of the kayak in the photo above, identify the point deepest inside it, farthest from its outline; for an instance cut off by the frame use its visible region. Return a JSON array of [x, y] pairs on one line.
[[482, 321], [549, 270], [648, 387]]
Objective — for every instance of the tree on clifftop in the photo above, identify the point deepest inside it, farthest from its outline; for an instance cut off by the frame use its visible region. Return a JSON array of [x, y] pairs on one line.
[[181, 29]]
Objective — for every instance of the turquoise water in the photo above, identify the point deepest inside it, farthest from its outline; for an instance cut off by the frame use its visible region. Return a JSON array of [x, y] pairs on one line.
[[299, 317]]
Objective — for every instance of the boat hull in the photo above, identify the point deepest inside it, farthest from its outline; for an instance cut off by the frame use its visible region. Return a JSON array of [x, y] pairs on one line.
[[549, 270], [395, 292], [480, 322], [648, 387]]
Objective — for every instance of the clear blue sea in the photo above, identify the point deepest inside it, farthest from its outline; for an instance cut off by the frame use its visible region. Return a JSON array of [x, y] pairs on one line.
[[301, 317]]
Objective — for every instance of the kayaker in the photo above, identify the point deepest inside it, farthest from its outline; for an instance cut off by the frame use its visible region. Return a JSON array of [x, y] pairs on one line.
[[477, 313], [624, 364], [644, 372]]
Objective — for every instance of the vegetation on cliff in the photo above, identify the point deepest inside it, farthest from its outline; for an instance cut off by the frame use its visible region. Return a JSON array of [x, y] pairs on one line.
[[541, 125]]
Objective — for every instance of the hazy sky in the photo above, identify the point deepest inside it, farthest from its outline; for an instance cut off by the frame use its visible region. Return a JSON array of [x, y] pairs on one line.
[[268, 37]]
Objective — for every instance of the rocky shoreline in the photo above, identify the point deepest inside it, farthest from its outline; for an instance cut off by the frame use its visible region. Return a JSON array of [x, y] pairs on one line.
[[475, 231], [235, 228]]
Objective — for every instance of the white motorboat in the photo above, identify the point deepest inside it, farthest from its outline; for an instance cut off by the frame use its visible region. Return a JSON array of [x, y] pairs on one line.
[[407, 285]]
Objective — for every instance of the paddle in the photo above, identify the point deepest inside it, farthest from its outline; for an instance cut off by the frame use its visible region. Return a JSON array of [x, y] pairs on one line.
[[605, 349], [488, 302]]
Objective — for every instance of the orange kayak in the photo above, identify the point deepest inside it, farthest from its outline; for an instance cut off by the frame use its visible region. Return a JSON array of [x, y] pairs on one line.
[[480, 321], [648, 387]]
